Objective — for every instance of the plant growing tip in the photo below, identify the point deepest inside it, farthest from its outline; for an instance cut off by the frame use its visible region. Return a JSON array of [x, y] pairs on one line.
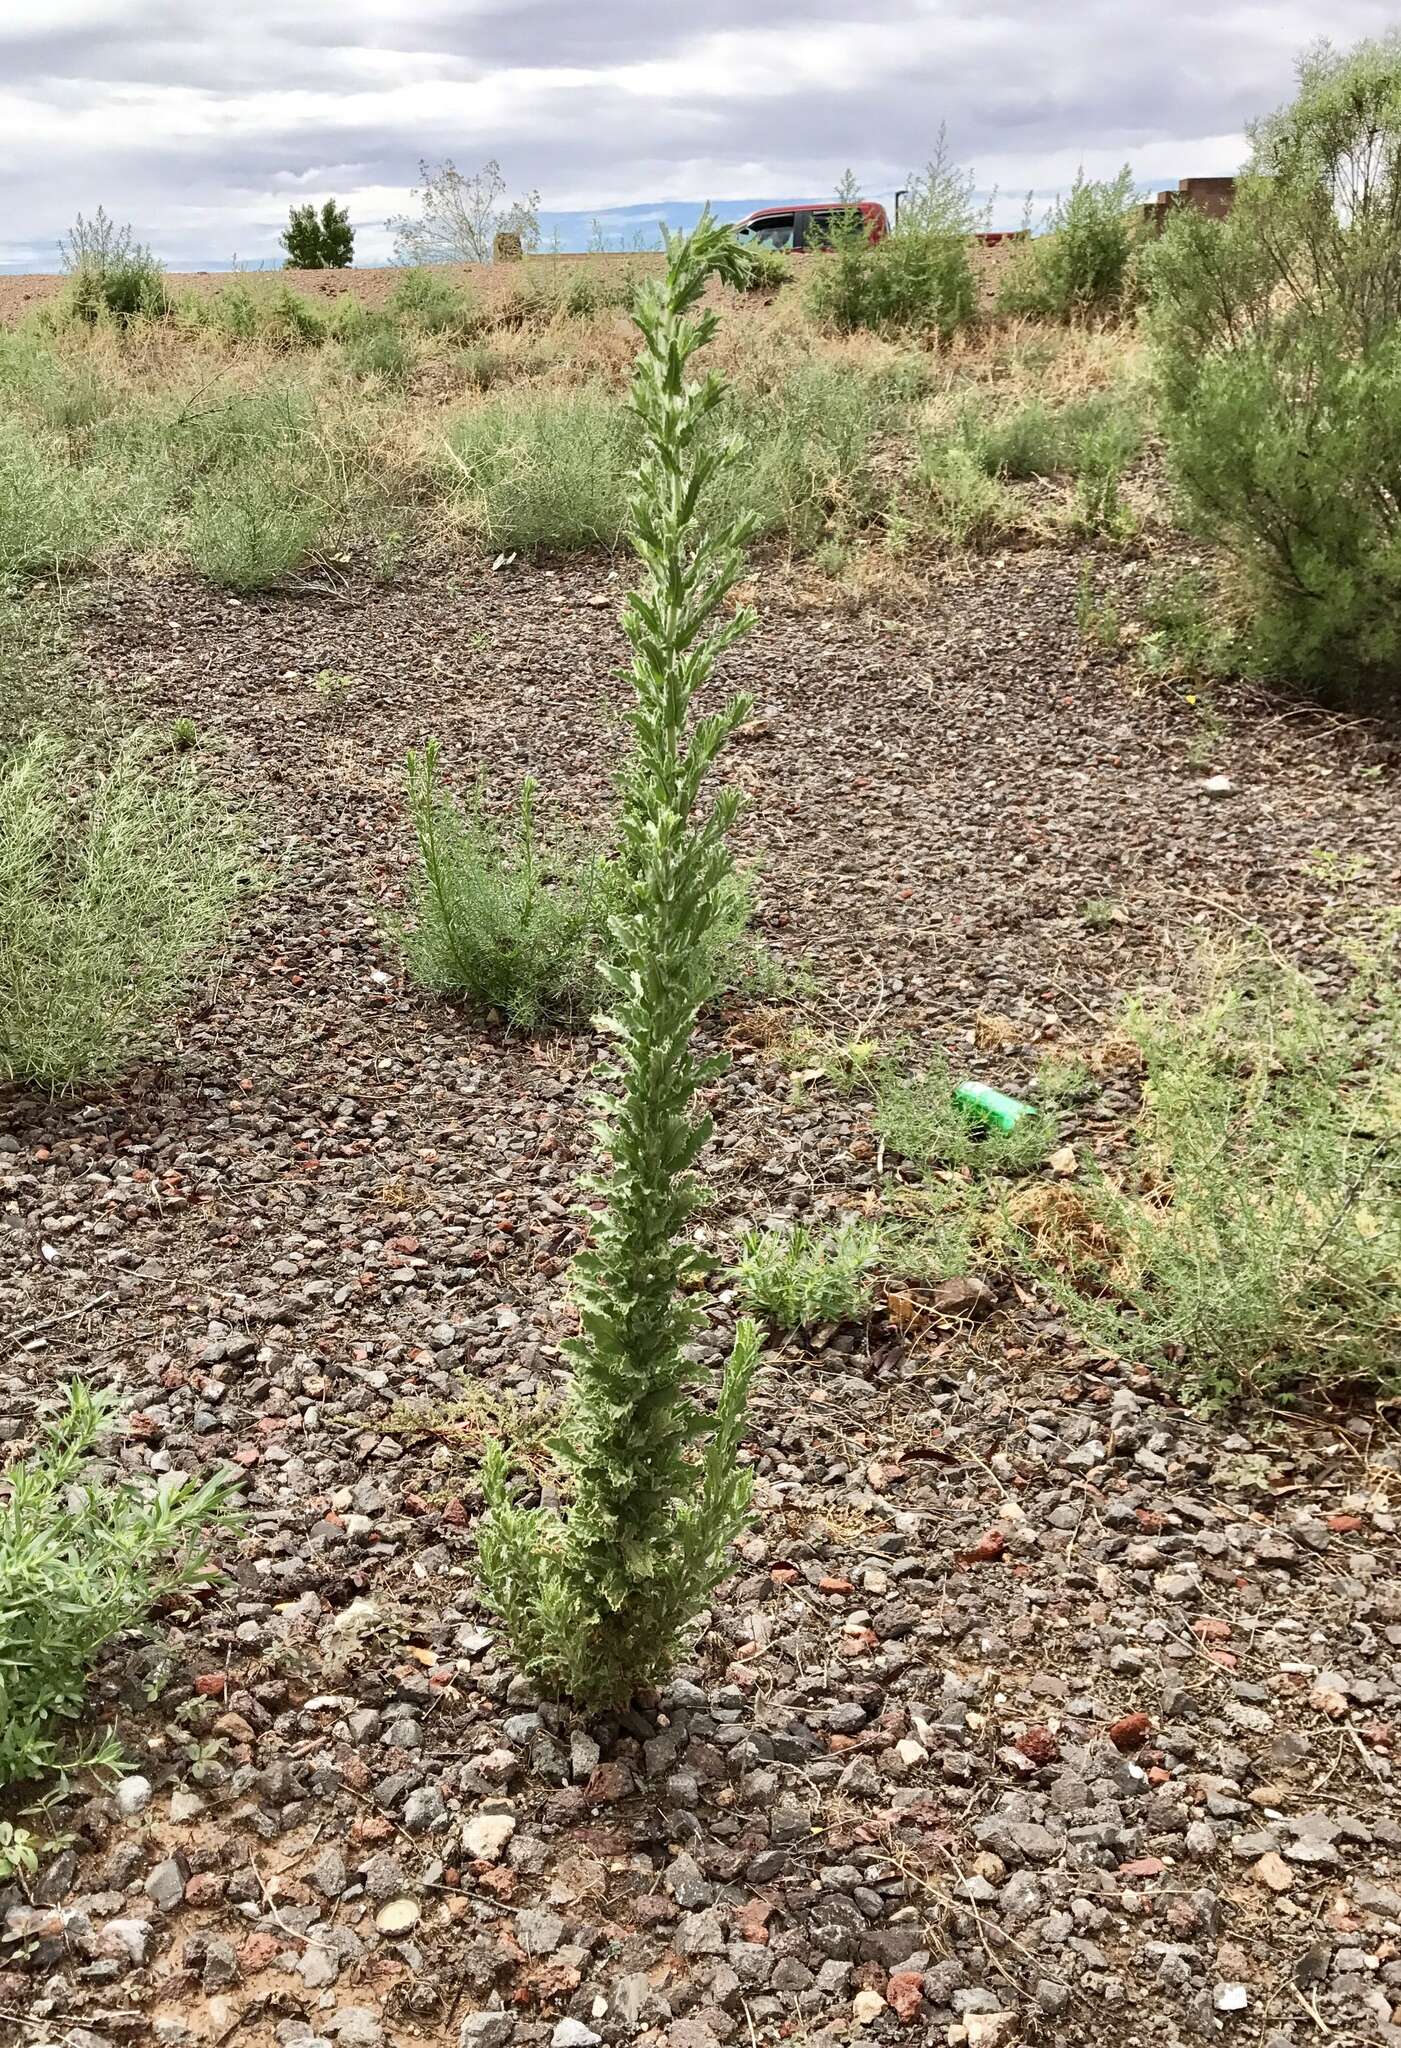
[[596, 1598]]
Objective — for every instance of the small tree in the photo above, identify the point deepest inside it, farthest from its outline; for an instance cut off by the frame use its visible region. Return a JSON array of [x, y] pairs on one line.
[[594, 1598], [460, 216], [322, 240], [1277, 349]]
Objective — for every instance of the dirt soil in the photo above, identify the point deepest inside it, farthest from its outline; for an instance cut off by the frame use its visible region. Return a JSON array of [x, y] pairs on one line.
[[486, 282], [1039, 1708]]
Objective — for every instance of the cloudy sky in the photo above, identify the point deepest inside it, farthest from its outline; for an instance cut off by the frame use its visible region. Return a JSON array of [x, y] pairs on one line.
[[202, 123]]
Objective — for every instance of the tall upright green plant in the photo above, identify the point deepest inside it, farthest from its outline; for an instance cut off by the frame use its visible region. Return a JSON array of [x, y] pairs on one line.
[[595, 1598]]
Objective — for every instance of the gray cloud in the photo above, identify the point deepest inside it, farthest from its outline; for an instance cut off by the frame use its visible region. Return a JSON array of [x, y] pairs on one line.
[[200, 123]]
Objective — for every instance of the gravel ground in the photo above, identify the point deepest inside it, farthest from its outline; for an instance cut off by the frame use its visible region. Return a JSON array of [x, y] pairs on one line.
[[1039, 1709]]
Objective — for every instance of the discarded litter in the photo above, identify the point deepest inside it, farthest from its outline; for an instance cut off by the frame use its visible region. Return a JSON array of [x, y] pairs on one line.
[[990, 1106]]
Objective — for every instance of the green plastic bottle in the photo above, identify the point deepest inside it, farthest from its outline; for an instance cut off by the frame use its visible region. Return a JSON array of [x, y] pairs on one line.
[[989, 1106]]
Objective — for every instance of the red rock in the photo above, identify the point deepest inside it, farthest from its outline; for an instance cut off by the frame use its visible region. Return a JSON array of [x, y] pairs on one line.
[[455, 1514], [205, 1888], [904, 1994], [1211, 1629], [1131, 1732], [1039, 1744], [234, 1728], [1158, 1776], [1143, 1866], [751, 1921], [655, 1909], [989, 1547], [1345, 1525], [211, 1684], [259, 1949], [835, 1586], [609, 1783]]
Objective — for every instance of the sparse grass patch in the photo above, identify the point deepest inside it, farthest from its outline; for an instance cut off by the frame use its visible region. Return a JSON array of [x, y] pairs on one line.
[[918, 1118], [110, 887], [1254, 1245]]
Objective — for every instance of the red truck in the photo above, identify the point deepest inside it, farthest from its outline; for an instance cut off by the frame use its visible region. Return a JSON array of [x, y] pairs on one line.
[[805, 223]]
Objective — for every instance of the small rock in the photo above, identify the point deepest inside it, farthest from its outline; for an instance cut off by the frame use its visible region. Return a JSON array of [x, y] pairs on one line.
[[424, 1809], [133, 1796], [354, 2026], [128, 1939], [574, 2034], [166, 1885], [486, 1835], [866, 2007], [1230, 1998], [1216, 785], [486, 2030], [1131, 1732], [990, 2029], [1273, 1871], [328, 1873]]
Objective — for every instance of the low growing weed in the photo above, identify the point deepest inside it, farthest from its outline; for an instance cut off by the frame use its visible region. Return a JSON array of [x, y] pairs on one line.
[[798, 1277], [500, 918], [83, 1560]]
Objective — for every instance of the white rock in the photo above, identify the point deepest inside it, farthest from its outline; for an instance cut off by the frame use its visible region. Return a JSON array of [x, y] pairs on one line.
[[133, 1796], [485, 1837]]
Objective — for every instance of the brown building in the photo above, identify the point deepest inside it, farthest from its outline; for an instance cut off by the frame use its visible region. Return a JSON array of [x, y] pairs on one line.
[[1211, 196]]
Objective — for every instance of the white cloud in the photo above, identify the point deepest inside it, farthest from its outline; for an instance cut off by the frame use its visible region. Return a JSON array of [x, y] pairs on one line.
[[201, 124]]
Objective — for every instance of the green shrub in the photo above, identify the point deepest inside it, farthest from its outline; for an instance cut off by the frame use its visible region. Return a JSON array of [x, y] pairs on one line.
[[797, 1277], [286, 319], [545, 470], [253, 523], [958, 499], [811, 471], [1277, 349], [111, 275], [433, 305], [519, 921], [769, 270], [108, 892], [918, 278], [382, 353], [596, 1596], [232, 311], [1256, 1243], [499, 918], [83, 1560], [1082, 262]]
